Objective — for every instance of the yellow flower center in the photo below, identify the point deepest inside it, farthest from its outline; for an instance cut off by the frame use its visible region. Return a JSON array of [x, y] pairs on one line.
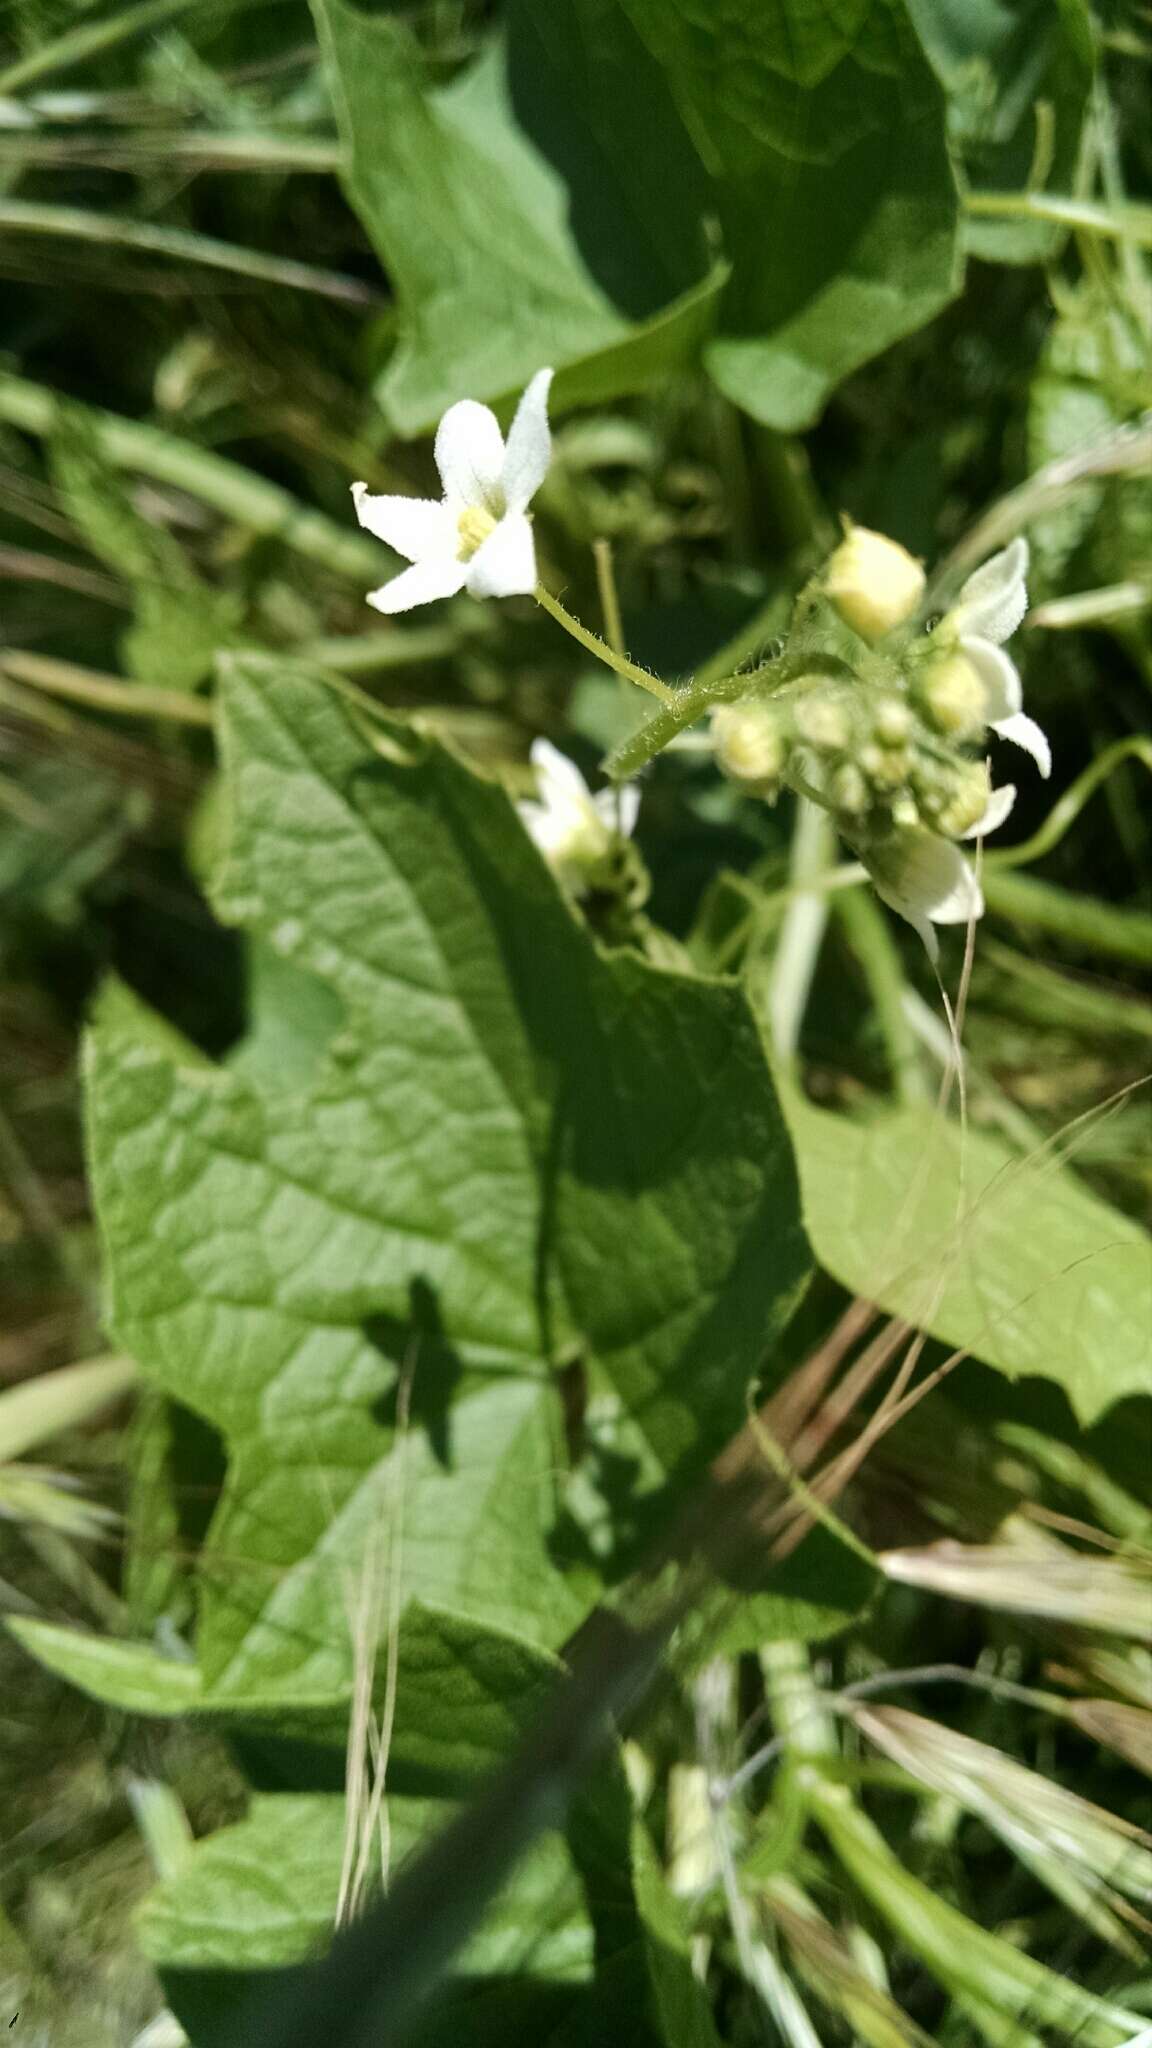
[[473, 525]]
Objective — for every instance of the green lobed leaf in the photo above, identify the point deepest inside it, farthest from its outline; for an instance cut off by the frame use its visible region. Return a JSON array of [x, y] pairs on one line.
[[262, 1895], [495, 205], [823, 130], [795, 151], [1011, 1258], [463, 1691], [511, 1145]]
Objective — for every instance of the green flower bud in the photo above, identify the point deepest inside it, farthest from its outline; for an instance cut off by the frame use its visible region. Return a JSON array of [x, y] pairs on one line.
[[874, 583], [968, 800], [749, 744], [904, 812], [886, 767], [824, 723], [952, 695], [849, 791], [892, 721]]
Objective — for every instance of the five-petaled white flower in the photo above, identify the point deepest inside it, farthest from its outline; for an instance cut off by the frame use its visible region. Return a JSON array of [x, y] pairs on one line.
[[479, 536], [573, 829], [986, 614], [928, 880]]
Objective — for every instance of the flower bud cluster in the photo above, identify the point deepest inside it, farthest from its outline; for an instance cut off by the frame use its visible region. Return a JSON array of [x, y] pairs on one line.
[[865, 752], [887, 738]]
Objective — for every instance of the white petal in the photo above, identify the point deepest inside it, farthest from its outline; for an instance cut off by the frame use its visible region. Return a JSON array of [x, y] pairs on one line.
[[470, 456], [529, 449], [994, 600], [629, 808], [504, 565], [416, 527], [928, 881], [420, 585], [549, 830], [557, 778], [617, 806], [1000, 676], [999, 806], [1024, 732]]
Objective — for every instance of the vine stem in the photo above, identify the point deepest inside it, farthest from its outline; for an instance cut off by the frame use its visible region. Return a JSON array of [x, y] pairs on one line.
[[803, 928], [593, 644]]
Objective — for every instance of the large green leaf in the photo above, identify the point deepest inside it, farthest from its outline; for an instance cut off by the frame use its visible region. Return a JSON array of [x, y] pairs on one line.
[[1011, 1258], [512, 1145], [523, 220], [263, 1894], [1009, 66], [495, 204], [463, 1691], [823, 130]]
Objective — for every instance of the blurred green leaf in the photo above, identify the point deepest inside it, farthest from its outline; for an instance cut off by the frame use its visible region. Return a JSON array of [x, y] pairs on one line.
[[824, 130], [463, 1691], [1009, 1257], [40, 1408], [512, 1146], [1018, 74], [263, 1895], [180, 621]]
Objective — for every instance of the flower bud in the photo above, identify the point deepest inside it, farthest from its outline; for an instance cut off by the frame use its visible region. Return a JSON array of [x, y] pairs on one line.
[[886, 767], [849, 791], [874, 583], [903, 811], [968, 801], [893, 721], [749, 743], [824, 723], [952, 695]]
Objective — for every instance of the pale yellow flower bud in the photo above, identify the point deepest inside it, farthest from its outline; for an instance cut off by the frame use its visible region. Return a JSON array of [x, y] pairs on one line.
[[893, 721], [887, 767], [824, 724], [749, 743], [967, 803], [874, 583], [849, 791], [953, 695]]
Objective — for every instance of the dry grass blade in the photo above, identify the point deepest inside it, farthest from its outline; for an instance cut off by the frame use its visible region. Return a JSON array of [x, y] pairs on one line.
[[1125, 1729], [1086, 1592], [1092, 1859]]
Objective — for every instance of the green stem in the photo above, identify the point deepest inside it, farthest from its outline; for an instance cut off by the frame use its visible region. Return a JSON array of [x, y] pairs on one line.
[[1121, 451], [1083, 920], [1128, 222], [205, 150], [592, 643], [609, 596], [870, 937], [357, 654], [251, 500], [1067, 809], [78, 224], [77, 45], [802, 932], [104, 693]]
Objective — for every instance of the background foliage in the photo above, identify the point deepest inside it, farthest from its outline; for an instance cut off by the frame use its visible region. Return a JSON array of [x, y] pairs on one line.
[[444, 1236]]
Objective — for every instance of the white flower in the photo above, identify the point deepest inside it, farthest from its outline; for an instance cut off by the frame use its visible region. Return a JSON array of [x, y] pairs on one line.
[[928, 880], [573, 829], [988, 611], [479, 536]]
